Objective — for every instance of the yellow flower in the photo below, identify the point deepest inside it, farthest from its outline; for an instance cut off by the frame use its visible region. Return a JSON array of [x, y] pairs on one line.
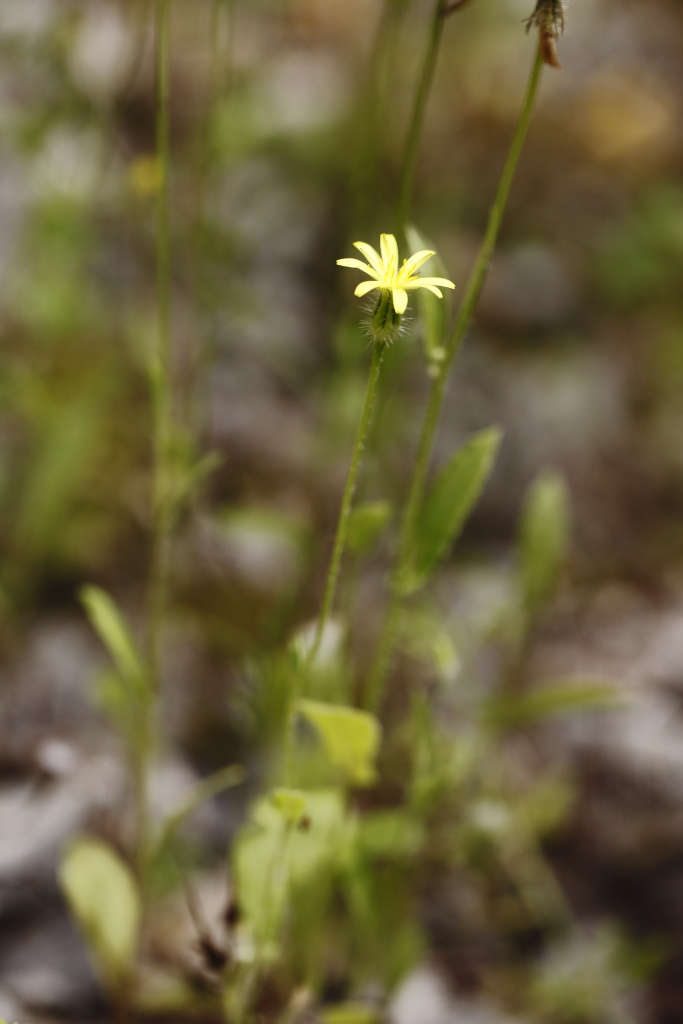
[[388, 277]]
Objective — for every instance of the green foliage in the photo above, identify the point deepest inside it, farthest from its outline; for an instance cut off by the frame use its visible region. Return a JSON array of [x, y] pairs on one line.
[[350, 738], [450, 500], [561, 697], [326, 880], [544, 535], [123, 691], [113, 632], [276, 863], [104, 898]]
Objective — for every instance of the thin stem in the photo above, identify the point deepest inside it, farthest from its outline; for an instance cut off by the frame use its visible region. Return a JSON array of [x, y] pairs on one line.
[[382, 662], [378, 350], [161, 369], [417, 116]]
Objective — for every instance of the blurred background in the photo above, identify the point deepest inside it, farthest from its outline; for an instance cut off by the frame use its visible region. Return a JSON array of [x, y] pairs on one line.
[[288, 119]]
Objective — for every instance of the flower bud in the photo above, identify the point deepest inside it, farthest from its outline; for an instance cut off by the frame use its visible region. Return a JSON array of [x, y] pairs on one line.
[[385, 323]]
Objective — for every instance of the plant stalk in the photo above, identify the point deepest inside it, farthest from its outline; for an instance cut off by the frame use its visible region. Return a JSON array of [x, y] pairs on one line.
[[161, 363], [378, 350], [376, 683]]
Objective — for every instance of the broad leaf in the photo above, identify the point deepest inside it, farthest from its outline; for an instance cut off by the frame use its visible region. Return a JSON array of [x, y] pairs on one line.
[[351, 738], [449, 502], [270, 859], [103, 896]]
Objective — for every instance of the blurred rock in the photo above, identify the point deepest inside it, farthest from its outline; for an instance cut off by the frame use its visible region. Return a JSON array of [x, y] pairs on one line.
[[529, 288], [424, 998], [46, 967]]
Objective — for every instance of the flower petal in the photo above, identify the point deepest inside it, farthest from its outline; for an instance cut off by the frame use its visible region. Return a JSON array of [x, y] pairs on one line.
[[349, 261], [440, 281], [371, 255], [389, 249], [366, 286], [414, 263], [400, 299], [430, 288]]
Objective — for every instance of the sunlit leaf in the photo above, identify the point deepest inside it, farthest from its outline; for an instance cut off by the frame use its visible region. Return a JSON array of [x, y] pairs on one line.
[[350, 738], [449, 502], [544, 535], [271, 859], [103, 896]]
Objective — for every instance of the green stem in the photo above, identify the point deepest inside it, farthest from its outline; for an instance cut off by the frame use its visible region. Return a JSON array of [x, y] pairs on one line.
[[417, 116], [161, 369], [378, 350], [382, 662]]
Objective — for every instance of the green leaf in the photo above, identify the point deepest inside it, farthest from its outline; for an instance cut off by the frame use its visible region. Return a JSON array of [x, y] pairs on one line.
[[350, 1013], [350, 737], [544, 535], [103, 896], [561, 697], [270, 859], [449, 502], [366, 523], [113, 632]]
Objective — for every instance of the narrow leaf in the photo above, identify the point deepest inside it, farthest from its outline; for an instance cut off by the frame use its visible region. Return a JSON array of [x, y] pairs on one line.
[[112, 631], [449, 502], [543, 538], [561, 697]]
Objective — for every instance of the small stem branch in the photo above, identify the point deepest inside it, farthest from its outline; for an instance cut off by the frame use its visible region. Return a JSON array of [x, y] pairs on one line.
[[382, 662], [417, 117]]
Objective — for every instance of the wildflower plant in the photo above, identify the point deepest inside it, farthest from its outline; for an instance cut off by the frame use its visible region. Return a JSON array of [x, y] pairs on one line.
[[308, 847]]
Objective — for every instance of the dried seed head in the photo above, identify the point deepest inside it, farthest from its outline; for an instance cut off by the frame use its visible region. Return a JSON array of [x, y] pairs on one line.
[[548, 17]]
